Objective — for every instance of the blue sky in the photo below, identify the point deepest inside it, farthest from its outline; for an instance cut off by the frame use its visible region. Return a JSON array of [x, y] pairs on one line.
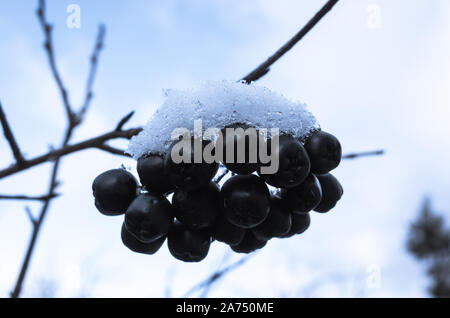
[[384, 87]]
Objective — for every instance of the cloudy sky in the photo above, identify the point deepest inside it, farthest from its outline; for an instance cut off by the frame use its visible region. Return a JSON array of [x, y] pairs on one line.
[[375, 73]]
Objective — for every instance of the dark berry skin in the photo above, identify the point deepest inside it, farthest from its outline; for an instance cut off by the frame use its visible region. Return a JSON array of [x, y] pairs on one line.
[[137, 246], [114, 190], [304, 197], [300, 223], [233, 140], [277, 223], [188, 245], [294, 164], [324, 151], [224, 231], [149, 217], [245, 200], [197, 209], [189, 176], [151, 174], [332, 192], [248, 244]]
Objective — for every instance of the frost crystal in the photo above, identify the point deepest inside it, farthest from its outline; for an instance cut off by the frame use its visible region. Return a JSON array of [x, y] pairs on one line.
[[220, 104]]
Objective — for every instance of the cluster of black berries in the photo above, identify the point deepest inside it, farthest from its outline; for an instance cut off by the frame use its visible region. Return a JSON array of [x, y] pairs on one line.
[[243, 213]]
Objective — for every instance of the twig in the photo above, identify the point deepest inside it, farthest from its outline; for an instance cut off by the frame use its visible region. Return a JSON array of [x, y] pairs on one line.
[[220, 177], [28, 198], [124, 120], [96, 142], [30, 216], [10, 137], [213, 278], [356, 155], [113, 150], [264, 68], [73, 122], [93, 70], [48, 44]]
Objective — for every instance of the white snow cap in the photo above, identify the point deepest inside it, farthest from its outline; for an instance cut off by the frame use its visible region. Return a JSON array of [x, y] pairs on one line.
[[220, 104]]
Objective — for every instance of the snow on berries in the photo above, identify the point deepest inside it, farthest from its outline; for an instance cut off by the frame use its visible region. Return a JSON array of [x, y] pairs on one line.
[[264, 139]]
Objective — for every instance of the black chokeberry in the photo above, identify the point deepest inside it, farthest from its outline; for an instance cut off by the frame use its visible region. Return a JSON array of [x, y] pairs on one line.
[[240, 142], [130, 241], [248, 244], [189, 175], [332, 192], [300, 223], [197, 209], [245, 200], [294, 164], [149, 217], [188, 245], [277, 223], [324, 151], [152, 175], [224, 231], [113, 191], [304, 197]]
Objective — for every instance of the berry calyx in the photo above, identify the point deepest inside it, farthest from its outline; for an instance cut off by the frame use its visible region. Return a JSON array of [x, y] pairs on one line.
[[149, 217], [113, 191], [245, 200], [332, 192], [152, 176], [304, 197], [325, 152], [197, 209], [294, 164], [130, 241], [188, 245], [277, 223]]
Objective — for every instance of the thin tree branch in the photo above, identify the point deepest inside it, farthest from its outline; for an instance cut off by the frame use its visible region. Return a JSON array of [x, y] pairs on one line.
[[93, 70], [113, 150], [356, 155], [95, 142], [48, 44], [264, 68], [73, 121], [10, 137], [27, 197], [30, 216], [124, 120], [216, 276]]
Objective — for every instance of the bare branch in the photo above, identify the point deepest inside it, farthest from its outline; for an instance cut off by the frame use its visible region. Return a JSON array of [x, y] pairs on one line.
[[48, 44], [28, 198], [94, 62], [356, 155], [30, 216], [73, 121], [124, 120], [95, 142], [10, 137], [113, 150], [216, 276], [264, 68]]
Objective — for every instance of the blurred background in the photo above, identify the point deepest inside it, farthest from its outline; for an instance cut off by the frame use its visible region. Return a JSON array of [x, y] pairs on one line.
[[375, 73]]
